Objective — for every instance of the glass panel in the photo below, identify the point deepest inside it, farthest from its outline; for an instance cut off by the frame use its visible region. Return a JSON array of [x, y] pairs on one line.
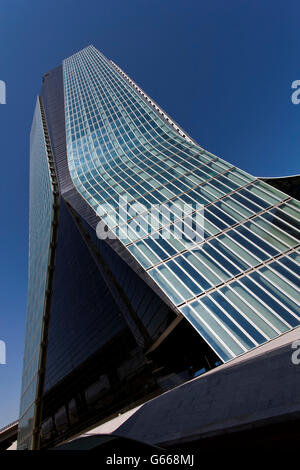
[[227, 322], [199, 252], [289, 209], [219, 348], [185, 279], [275, 292], [145, 250], [295, 204], [270, 228], [178, 246], [200, 267], [255, 239], [213, 219], [270, 189], [156, 248], [228, 220], [238, 295], [281, 283], [176, 284], [286, 273], [236, 177], [229, 210], [203, 314], [248, 245], [242, 199], [139, 256], [216, 255], [195, 275], [240, 253], [237, 206], [258, 201], [289, 262], [163, 284], [285, 222], [212, 191], [243, 174], [263, 297], [165, 245], [238, 316], [266, 196], [265, 235]]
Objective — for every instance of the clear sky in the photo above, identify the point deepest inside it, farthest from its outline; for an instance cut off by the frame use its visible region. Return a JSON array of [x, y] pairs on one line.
[[221, 68]]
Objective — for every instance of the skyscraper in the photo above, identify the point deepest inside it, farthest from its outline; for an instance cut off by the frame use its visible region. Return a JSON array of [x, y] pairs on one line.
[[149, 256]]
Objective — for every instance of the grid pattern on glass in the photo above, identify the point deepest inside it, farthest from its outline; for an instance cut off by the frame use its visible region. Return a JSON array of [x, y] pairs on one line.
[[119, 146], [40, 218], [251, 309]]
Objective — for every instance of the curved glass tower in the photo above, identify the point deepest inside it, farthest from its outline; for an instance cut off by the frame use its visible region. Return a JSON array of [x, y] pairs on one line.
[[213, 247]]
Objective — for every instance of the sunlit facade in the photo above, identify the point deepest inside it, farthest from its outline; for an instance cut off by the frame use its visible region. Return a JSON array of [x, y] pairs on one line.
[[229, 286], [229, 291]]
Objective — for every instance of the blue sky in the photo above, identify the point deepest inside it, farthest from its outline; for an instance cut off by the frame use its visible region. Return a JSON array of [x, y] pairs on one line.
[[222, 69]]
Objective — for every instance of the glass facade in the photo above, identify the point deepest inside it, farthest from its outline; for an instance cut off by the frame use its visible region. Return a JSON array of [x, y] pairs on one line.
[[120, 306], [40, 220], [233, 285]]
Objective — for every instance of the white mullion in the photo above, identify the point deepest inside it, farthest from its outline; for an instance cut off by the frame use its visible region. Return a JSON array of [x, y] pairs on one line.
[[212, 331], [249, 320], [277, 286], [287, 268], [276, 300], [228, 315], [265, 305]]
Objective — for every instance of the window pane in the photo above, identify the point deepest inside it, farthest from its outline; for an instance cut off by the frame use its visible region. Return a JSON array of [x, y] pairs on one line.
[[248, 245], [163, 284], [255, 239], [177, 285], [275, 292], [147, 252], [250, 311], [281, 283], [139, 256], [237, 206], [265, 235], [227, 322], [270, 189], [203, 314], [195, 275], [229, 210], [184, 278], [199, 252], [200, 267], [270, 227], [239, 251], [236, 315], [216, 256], [266, 196], [289, 209], [223, 353], [289, 262], [262, 296]]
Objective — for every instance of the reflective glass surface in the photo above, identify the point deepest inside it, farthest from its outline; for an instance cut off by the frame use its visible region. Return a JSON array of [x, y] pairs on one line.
[[40, 219], [120, 144]]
